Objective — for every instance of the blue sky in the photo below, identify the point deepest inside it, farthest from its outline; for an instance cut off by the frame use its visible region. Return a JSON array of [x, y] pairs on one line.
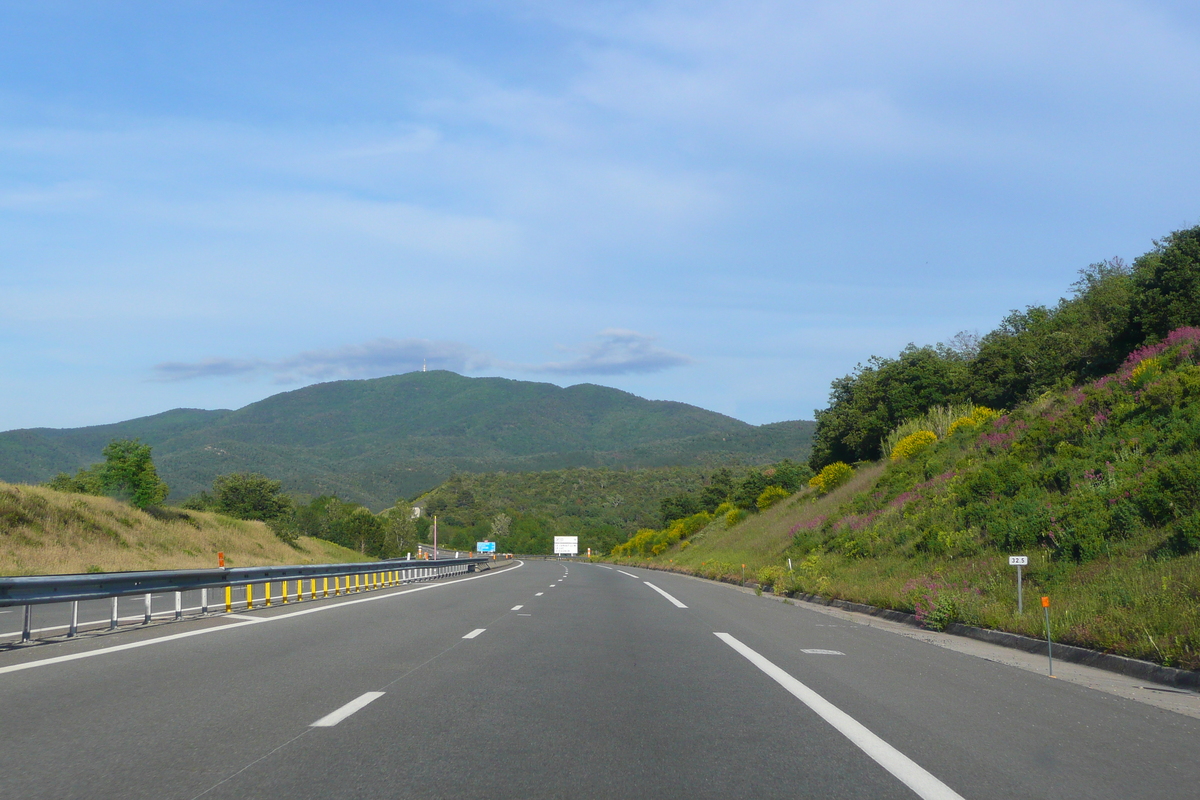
[[728, 204]]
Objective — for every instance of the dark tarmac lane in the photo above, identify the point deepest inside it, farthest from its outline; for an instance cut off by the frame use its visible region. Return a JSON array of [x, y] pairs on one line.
[[560, 680]]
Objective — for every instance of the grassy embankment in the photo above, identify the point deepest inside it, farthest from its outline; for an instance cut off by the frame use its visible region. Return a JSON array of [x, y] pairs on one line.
[[1098, 484], [1128, 602], [44, 532]]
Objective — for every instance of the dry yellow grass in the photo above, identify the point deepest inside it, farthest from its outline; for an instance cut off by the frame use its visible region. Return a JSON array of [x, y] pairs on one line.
[[44, 532]]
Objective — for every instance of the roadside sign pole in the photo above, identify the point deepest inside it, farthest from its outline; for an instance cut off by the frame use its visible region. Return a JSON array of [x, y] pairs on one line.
[[1018, 562]]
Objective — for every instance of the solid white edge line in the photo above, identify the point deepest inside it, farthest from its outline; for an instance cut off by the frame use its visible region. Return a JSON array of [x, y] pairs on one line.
[[907, 771], [241, 624], [630, 574], [357, 704], [664, 594], [474, 633]]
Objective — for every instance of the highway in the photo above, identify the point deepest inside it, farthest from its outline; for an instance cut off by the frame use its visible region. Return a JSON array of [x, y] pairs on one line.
[[561, 680]]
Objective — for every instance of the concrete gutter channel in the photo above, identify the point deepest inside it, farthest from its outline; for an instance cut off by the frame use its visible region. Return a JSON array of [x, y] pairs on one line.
[[1187, 680]]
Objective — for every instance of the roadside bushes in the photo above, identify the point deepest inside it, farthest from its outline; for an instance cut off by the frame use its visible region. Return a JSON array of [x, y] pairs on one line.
[[831, 477], [770, 496], [912, 445]]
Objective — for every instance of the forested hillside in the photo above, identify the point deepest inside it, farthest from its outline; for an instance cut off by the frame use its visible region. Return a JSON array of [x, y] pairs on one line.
[[1114, 309], [372, 441]]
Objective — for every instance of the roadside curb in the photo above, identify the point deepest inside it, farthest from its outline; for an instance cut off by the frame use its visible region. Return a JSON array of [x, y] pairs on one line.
[[1131, 667]]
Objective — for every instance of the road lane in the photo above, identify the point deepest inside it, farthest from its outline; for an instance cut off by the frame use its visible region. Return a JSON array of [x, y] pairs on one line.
[[605, 688]]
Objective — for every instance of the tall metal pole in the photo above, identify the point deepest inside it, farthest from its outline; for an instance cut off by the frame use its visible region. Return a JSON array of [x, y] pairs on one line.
[[435, 554]]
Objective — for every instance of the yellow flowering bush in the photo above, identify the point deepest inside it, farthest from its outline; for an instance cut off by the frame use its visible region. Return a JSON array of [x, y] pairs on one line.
[[912, 444], [977, 418], [1145, 371], [831, 477], [770, 496]]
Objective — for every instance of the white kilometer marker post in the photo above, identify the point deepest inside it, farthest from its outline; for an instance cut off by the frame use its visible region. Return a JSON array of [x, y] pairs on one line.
[[474, 633], [664, 594], [909, 772], [329, 720]]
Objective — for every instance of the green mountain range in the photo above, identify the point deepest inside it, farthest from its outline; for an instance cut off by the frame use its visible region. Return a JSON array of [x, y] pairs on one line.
[[372, 441]]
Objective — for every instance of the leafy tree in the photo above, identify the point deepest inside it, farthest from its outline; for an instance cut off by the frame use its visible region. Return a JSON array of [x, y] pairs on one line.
[[86, 481], [1167, 286], [129, 474], [718, 490], [347, 524], [500, 526], [248, 495], [400, 529], [868, 403], [678, 506]]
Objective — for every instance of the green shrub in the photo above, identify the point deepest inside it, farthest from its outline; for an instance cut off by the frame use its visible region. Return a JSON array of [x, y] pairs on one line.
[[912, 445], [771, 575], [831, 477], [770, 496]]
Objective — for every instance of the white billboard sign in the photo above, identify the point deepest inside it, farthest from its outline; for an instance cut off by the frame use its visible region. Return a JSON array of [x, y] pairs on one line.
[[566, 545]]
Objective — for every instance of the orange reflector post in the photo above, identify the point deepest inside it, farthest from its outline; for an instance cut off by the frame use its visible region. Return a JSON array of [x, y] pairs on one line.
[[1045, 602]]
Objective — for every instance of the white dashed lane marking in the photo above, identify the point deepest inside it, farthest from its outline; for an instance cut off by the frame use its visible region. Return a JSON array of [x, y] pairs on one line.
[[664, 594], [474, 633], [329, 720]]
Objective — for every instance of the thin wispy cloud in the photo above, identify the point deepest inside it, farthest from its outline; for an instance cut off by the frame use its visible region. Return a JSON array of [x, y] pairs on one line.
[[615, 352], [367, 360], [618, 352]]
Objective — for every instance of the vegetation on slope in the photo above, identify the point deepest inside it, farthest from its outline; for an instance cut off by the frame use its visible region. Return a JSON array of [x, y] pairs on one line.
[[372, 441], [46, 532], [1115, 308], [1093, 472]]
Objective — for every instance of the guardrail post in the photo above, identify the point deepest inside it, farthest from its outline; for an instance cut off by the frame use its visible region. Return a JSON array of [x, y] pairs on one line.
[[267, 594], [249, 596], [74, 629], [228, 599], [179, 605], [27, 626], [112, 619], [203, 601], [283, 591], [356, 583], [325, 586], [146, 619]]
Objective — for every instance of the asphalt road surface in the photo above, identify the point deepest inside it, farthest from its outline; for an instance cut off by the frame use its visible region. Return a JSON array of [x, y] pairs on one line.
[[557, 680]]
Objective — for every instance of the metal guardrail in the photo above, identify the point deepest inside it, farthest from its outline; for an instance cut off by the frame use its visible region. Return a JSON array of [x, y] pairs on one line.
[[29, 591]]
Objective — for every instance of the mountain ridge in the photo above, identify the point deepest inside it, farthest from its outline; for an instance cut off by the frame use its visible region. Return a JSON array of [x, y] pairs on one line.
[[377, 439]]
